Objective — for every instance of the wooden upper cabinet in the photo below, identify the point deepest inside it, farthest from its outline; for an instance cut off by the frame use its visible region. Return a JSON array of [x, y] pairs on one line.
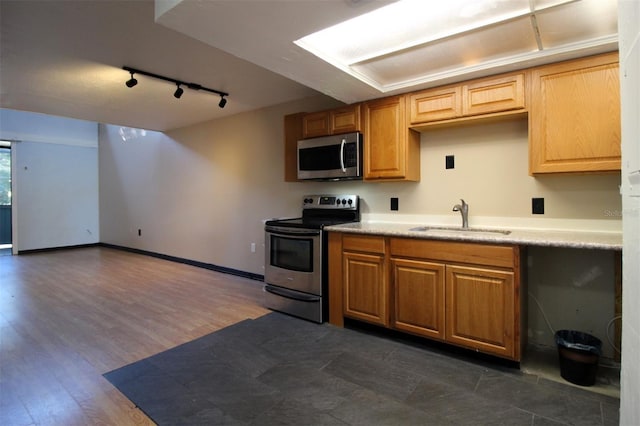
[[391, 150], [315, 124], [494, 95], [434, 105], [574, 119], [478, 97], [331, 122], [292, 133], [345, 119]]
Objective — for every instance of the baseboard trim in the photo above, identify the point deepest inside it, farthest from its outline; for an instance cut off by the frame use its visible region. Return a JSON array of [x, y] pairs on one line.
[[44, 250], [190, 262]]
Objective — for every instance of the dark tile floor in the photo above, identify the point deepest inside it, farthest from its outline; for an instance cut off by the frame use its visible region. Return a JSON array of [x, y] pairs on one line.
[[278, 370]]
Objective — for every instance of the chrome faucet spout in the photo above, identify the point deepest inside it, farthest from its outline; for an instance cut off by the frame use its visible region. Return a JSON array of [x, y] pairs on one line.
[[464, 212]]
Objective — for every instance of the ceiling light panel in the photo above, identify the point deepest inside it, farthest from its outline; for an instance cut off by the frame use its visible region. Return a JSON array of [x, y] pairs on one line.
[[545, 4], [406, 24], [414, 42], [578, 22], [455, 54]]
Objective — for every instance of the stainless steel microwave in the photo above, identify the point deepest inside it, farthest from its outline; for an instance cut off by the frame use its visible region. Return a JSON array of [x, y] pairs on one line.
[[337, 157]]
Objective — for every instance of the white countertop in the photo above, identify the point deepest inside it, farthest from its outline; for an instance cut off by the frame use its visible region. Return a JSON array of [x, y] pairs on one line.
[[529, 237]]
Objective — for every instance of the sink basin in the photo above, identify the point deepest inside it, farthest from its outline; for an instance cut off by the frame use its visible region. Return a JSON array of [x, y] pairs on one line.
[[449, 230]]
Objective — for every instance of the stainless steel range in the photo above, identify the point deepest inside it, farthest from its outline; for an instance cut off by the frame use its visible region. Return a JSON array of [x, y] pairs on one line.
[[296, 251]]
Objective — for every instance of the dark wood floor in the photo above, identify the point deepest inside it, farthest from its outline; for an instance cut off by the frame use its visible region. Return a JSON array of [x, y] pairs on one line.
[[68, 316]]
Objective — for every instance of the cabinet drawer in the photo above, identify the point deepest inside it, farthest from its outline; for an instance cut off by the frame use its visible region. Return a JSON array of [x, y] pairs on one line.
[[494, 95], [364, 243], [447, 251]]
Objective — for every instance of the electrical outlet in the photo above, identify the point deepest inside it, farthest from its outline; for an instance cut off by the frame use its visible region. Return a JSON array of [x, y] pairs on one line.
[[253, 247], [394, 204], [449, 162], [537, 205], [139, 232]]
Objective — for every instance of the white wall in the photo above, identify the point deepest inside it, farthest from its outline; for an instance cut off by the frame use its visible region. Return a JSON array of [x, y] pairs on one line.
[[629, 34], [202, 192], [55, 180]]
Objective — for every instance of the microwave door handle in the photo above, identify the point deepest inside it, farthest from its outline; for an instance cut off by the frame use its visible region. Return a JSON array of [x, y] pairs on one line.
[[344, 141]]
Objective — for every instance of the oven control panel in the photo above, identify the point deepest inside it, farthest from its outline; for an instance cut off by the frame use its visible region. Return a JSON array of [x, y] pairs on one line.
[[324, 201]]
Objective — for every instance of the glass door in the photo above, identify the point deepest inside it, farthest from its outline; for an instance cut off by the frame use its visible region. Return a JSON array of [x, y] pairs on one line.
[[5, 198]]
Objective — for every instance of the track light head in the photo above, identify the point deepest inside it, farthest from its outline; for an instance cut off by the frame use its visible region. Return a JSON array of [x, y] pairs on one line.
[[179, 91], [132, 81], [222, 102]]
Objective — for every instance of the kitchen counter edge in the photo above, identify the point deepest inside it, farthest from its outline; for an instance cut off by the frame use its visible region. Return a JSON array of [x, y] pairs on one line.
[[524, 237]]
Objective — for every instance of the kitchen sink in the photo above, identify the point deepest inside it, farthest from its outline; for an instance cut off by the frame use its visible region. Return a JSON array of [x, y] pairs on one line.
[[451, 229]]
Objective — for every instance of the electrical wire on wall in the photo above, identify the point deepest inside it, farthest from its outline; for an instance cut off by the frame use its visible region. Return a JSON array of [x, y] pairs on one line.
[[611, 321], [553, 332]]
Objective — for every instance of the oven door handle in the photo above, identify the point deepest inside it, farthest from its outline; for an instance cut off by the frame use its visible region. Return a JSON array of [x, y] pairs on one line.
[[291, 295], [287, 233]]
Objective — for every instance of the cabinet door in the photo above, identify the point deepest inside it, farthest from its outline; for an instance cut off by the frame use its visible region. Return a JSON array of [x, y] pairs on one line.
[[418, 288], [392, 151], [574, 120], [493, 95], [315, 124], [365, 294], [292, 134], [345, 120], [480, 306], [434, 105]]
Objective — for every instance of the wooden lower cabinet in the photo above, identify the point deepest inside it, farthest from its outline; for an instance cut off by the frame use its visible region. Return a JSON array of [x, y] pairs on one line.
[[480, 306], [418, 288], [365, 288], [466, 294]]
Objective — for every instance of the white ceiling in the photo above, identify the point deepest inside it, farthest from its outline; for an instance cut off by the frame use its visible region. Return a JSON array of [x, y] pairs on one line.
[[65, 57]]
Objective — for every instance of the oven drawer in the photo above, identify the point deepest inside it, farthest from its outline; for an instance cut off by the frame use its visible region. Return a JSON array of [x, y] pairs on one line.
[[303, 305]]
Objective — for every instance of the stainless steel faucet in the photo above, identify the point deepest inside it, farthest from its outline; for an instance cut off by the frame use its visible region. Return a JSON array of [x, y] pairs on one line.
[[464, 211]]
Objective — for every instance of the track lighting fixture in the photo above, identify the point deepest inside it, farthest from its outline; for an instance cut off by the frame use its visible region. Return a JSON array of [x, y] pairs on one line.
[[179, 90], [132, 81]]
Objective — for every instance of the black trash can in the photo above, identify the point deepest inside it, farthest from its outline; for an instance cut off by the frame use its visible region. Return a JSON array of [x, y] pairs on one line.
[[579, 355]]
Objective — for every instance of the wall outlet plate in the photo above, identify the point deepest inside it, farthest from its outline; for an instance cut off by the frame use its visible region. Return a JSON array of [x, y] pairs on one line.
[[394, 204], [537, 205], [449, 162]]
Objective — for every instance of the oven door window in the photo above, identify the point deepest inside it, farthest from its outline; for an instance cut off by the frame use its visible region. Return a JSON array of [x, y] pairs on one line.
[[295, 254]]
